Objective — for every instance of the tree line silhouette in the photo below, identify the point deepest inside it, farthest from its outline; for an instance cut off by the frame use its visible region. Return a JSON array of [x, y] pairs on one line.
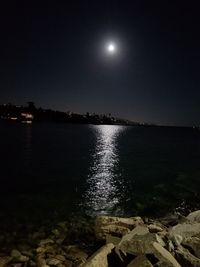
[[11, 111]]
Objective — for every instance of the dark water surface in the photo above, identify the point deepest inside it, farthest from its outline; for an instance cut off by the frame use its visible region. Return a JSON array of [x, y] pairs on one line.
[[55, 171]]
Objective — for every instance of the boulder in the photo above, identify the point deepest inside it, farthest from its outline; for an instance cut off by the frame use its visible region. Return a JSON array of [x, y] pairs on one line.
[[185, 258], [194, 216], [115, 226], [186, 230], [140, 261], [99, 258], [138, 241], [194, 244]]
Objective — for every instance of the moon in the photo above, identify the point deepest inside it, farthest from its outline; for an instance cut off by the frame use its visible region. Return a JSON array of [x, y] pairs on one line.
[[111, 48]]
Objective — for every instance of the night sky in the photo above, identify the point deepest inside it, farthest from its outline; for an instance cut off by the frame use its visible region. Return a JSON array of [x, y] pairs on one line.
[[51, 52]]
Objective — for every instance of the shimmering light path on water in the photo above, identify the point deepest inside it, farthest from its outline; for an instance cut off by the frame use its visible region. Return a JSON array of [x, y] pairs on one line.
[[101, 195]]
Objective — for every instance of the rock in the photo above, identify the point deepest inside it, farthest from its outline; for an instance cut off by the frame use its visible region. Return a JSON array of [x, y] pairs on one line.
[[165, 258], [75, 253], [15, 253], [140, 261], [28, 253], [40, 250], [112, 239], [60, 257], [45, 242], [4, 260], [99, 258], [56, 232], [170, 246], [17, 256], [186, 259], [116, 230], [153, 228], [138, 241], [53, 261], [176, 239], [186, 230], [40, 260], [194, 244], [60, 240], [194, 216], [115, 226], [32, 263]]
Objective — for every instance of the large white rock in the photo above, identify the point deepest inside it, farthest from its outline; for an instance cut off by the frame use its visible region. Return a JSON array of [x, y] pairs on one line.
[[186, 230], [138, 241], [99, 258]]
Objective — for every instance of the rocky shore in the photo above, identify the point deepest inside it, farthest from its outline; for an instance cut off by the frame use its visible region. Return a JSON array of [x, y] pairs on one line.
[[172, 241]]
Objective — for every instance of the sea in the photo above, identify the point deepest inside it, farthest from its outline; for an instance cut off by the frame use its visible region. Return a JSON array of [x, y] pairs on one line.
[[51, 172]]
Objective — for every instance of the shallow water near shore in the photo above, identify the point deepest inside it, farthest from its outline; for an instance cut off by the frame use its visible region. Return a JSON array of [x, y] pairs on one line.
[[54, 172]]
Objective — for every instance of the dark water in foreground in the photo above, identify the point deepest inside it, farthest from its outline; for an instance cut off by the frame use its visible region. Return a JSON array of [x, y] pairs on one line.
[[55, 171]]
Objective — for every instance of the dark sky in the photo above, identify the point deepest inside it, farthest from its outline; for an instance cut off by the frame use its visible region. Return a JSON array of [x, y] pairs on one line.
[[51, 53]]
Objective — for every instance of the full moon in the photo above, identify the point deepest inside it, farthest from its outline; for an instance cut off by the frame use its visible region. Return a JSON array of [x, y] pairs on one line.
[[111, 48]]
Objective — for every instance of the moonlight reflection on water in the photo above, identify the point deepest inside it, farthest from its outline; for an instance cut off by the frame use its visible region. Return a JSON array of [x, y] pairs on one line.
[[101, 195]]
